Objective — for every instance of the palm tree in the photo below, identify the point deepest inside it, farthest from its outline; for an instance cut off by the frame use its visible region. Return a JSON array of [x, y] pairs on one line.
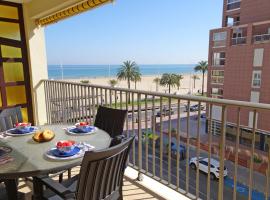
[[128, 71], [195, 77], [179, 78], [157, 82], [202, 67], [113, 82], [137, 78], [169, 80]]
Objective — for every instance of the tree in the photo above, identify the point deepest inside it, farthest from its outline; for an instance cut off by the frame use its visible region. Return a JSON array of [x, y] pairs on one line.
[[195, 77], [179, 78], [202, 67], [113, 82], [128, 71], [169, 80], [136, 78], [157, 82], [85, 81]]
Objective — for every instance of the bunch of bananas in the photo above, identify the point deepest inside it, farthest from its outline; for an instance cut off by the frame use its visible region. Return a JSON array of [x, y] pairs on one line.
[[43, 136]]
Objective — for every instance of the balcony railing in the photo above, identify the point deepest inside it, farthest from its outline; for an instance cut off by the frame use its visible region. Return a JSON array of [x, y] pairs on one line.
[[261, 38], [170, 129], [239, 40]]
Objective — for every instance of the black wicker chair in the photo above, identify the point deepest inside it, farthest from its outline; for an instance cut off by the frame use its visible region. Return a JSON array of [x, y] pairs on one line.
[[101, 176], [112, 121]]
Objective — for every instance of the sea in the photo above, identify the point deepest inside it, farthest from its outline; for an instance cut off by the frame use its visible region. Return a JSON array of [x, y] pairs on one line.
[[96, 71]]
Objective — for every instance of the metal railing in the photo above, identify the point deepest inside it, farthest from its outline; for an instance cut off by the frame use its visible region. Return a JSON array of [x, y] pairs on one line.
[[239, 40], [261, 38], [170, 129]]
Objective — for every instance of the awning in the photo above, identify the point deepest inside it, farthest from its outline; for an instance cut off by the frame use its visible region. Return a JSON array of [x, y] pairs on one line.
[[74, 10]]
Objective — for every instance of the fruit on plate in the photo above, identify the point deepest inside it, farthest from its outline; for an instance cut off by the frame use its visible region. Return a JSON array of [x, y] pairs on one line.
[[43, 136], [23, 125], [65, 146], [84, 123]]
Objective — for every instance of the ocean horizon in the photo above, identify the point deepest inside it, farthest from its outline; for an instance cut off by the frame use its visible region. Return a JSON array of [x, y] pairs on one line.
[[96, 71]]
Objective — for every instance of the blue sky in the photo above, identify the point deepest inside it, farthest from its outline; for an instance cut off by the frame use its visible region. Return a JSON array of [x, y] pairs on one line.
[[146, 31]]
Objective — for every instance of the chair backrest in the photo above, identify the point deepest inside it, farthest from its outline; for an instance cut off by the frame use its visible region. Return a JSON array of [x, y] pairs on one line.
[[110, 120], [101, 175], [10, 116]]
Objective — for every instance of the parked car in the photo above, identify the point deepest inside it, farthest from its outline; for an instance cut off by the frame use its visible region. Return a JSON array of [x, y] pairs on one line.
[[165, 112], [203, 166], [194, 108]]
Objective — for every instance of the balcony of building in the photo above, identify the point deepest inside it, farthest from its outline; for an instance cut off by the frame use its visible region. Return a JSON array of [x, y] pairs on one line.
[[261, 33], [233, 20], [239, 35]]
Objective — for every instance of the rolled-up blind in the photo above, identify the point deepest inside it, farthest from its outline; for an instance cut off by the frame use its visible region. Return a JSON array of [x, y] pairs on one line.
[[74, 10]]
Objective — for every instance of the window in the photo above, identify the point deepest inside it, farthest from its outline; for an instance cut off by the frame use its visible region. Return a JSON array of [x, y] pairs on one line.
[[220, 36], [217, 91], [256, 79], [258, 58], [232, 1], [217, 73], [219, 59], [204, 163], [233, 4], [254, 96]]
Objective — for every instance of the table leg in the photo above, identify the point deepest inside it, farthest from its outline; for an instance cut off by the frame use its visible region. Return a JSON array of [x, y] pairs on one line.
[[37, 189], [11, 188]]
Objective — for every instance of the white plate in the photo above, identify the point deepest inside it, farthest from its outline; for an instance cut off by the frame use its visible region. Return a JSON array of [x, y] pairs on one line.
[[84, 148], [72, 133], [23, 134]]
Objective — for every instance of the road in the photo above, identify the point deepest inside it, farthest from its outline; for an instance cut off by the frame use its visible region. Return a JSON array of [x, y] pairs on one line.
[[182, 174]]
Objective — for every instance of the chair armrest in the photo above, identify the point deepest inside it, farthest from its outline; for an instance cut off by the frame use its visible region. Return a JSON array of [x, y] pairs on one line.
[[57, 188]]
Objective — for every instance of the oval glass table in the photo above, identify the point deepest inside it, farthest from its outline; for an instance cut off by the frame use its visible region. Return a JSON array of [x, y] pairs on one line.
[[30, 159]]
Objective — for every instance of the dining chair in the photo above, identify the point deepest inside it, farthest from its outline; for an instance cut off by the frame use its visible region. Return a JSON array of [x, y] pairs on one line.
[[112, 121], [100, 177], [9, 117]]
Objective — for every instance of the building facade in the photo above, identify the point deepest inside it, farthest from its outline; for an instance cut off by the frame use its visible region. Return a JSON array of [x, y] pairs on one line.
[[239, 62]]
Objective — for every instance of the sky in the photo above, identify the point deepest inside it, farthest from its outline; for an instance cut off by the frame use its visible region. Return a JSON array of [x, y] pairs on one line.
[[145, 31]]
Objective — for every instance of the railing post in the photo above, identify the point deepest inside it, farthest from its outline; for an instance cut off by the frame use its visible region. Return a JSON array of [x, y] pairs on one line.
[[140, 177], [222, 152]]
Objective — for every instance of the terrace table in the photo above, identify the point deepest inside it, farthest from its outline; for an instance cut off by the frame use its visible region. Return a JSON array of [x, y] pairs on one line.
[[30, 160]]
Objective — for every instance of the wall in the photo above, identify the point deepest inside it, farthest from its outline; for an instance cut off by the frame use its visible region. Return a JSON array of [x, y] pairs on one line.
[[37, 64]]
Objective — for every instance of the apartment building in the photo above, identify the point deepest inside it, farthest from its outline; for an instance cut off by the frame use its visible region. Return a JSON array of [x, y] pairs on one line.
[[239, 64]]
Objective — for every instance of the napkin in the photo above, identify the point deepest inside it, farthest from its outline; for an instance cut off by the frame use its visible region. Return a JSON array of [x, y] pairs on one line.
[[85, 130], [22, 131], [6, 159]]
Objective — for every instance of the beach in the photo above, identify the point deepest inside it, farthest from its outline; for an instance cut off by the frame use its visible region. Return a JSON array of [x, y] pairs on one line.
[[147, 83]]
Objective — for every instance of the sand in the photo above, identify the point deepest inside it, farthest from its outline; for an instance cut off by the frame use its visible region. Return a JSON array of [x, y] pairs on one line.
[[146, 83]]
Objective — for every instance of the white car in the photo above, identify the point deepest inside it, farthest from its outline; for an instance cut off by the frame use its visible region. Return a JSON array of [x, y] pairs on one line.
[[203, 166]]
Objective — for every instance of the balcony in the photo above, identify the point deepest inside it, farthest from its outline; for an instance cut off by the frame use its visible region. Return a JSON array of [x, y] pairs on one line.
[[261, 38], [165, 143], [239, 40]]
